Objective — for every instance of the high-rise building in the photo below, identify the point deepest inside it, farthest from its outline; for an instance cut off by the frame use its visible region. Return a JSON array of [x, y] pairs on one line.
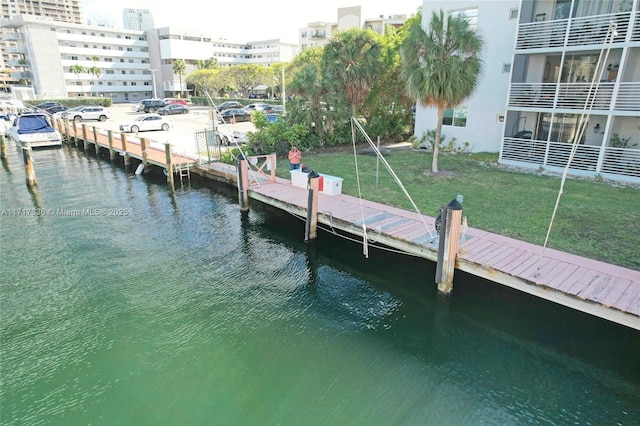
[[59, 10], [137, 19]]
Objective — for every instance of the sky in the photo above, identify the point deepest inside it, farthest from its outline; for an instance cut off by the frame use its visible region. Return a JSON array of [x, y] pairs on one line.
[[245, 20]]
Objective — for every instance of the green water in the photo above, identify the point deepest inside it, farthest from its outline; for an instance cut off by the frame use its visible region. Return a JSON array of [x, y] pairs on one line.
[[177, 309]]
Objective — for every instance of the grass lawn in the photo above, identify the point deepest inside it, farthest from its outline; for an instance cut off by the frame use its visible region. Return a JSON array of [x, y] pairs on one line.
[[597, 220]]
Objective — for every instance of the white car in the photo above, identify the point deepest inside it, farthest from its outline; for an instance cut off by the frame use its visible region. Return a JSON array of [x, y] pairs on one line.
[[228, 136], [147, 122], [92, 112]]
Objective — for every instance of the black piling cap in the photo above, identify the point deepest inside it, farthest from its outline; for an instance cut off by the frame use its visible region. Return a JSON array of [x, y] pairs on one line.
[[454, 205], [313, 174]]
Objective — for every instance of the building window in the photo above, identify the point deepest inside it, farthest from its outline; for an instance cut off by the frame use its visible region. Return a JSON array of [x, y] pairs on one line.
[[506, 68], [109, 72], [133, 83], [513, 13], [455, 117]]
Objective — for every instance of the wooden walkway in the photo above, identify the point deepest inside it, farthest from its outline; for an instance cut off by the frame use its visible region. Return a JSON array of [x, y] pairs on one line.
[[154, 154], [590, 286]]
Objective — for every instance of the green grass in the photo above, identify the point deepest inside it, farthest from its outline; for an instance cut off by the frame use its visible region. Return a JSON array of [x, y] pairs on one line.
[[597, 220]]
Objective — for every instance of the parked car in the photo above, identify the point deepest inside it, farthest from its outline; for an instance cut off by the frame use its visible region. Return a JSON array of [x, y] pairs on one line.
[[258, 96], [91, 112], [149, 105], [45, 105], [147, 122], [229, 105], [227, 136], [276, 109], [173, 109], [258, 107], [237, 113], [169, 101], [55, 108]]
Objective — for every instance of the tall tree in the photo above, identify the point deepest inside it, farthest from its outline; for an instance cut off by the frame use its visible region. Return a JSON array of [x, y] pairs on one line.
[[206, 64], [77, 69], [94, 70], [213, 81], [179, 67], [352, 59], [246, 77], [441, 66]]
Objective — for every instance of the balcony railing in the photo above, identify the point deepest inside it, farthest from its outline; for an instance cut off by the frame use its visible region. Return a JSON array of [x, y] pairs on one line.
[[622, 162], [578, 96], [590, 30]]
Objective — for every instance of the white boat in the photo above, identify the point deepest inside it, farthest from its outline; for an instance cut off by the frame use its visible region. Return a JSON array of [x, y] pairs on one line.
[[34, 128]]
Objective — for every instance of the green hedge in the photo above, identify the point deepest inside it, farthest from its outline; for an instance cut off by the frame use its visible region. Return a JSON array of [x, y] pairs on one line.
[[74, 102]]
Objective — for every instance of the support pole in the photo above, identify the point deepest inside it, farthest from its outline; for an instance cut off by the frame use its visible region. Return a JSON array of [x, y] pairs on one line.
[[123, 140], [3, 147], [28, 165], [144, 144], [243, 183], [448, 246], [112, 152], [75, 132], [169, 155], [95, 139], [311, 228], [84, 136]]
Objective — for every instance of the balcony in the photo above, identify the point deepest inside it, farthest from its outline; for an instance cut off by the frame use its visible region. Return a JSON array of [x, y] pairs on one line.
[[620, 163], [576, 96], [584, 31], [11, 36]]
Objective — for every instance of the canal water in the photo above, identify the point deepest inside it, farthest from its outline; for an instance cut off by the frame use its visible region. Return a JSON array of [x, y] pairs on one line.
[[124, 303]]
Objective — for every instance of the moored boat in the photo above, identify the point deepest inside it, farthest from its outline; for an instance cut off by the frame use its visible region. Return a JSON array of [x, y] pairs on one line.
[[36, 129]]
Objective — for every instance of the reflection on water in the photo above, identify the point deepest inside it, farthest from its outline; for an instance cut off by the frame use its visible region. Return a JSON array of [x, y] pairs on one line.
[[179, 309]]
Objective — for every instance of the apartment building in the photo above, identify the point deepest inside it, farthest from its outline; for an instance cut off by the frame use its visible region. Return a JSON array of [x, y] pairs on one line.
[[63, 59], [137, 19], [318, 34], [168, 44], [561, 78]]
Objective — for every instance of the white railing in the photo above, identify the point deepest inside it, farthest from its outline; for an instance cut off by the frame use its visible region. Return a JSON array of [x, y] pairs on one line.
[[578, 96], [623, 162], [590, 30]]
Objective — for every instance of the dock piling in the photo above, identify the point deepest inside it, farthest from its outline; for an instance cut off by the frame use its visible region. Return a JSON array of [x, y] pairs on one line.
[[448, 245], [144, 145], [95, 140], [3, 147], [243, 182], [311, 227], [28, 165], [84, 136], [125, 155], [168, 155], [112, 152]]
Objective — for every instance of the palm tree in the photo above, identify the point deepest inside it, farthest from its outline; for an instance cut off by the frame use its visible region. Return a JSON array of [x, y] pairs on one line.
[[352, 59], [179, 67], [94, 70], [77, 69], [441, 66]]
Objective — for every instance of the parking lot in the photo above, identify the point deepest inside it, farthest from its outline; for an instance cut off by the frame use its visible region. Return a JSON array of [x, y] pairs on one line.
[[180, 136]]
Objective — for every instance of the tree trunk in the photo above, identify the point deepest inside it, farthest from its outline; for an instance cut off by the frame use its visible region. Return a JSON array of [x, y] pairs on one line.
[[436, 142]]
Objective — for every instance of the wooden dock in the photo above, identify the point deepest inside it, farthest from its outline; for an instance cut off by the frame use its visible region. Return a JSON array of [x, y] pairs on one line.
[[597, 288], [126, 145]]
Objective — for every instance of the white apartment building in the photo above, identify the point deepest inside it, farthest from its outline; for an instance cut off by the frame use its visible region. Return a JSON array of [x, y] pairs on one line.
[[556, 72], [318, 34], [137, 19], [49, 51], [168, 44]]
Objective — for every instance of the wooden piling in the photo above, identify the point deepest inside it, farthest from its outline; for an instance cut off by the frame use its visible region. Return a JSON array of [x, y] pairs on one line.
[[144, 144], [123, 140], [84, 136], [95, 140], [243, 183], [448, 246], [3, 147], [168, 156], [75, 132], [311, 227], [112, 152], [29, 171]]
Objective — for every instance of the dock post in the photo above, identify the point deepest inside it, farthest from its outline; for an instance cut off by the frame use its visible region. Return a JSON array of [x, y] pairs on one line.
[[75, 132], [168, 155], [311, 227], [448, 245], [84, 136], [95, 139], [3, 147], [28, 165], [144, 144], [112, 152], [243, 182], [123, 139]]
